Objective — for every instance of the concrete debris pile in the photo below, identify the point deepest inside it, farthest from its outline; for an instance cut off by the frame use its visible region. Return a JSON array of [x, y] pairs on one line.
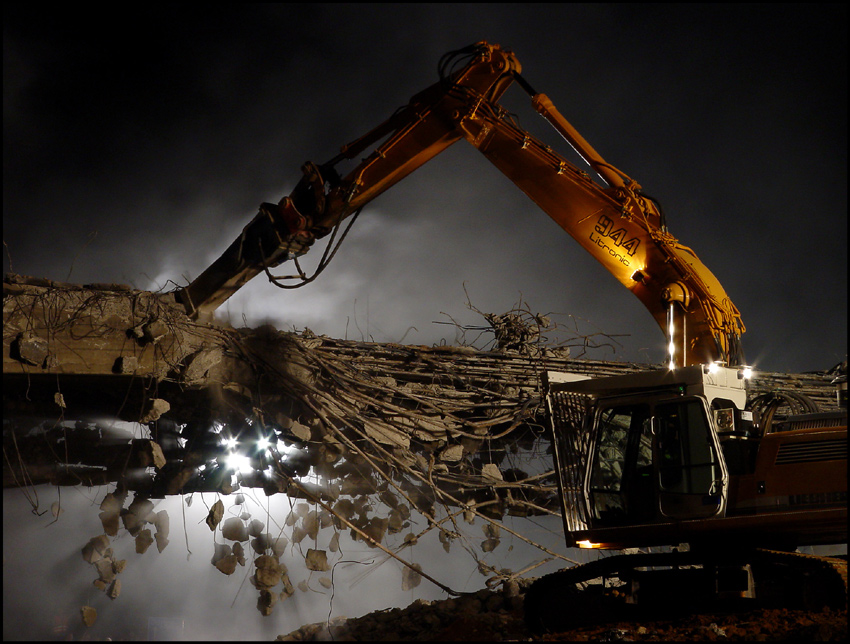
[[497, 616], [483, 616], [363, 434]]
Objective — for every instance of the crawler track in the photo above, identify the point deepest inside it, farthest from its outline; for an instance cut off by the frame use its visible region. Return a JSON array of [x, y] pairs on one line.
[[782, 579]]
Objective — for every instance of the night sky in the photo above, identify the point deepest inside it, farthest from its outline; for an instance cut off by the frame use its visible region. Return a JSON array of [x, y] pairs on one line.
[[136, 149], [137, 145]]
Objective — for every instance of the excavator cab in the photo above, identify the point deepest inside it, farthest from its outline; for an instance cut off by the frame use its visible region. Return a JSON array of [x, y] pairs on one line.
[[676, 461], [642, 450]]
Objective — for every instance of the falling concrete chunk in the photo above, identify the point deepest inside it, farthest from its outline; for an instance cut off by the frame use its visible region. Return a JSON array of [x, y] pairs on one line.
[[326, 582], [104, 570], [220, 551], [162, 522], [411, 578], [334, 544], [491, 530], [288, 589], [137, 515], [489, 545], [268, 571], [94, 549], [89, 616], [261, 543], [161, 541], [300, 431], [311, 524], [143, 541], [215, 514], [255, 528], [112, 503], [110, 521], [234, 530], [395, 522], [344, 508], [278, 546], [132, 523], [317, 560], [446, 540], [156, 408], [158, 457], [266, 601], [119, 566], [491, 471], [239, 551], [227, 564], [375, 529], [114, 589], [59, 399]]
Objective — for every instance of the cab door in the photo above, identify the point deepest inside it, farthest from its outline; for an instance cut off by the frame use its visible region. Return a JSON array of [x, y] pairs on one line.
[[652, 461], [620, 481], [691, 475]]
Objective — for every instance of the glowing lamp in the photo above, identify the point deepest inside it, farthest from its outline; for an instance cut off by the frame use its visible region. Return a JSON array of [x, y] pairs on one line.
[[238, 462]]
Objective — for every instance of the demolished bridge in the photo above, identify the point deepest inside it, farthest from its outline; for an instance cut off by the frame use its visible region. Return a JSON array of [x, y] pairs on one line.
[[446, 419], [107, 385]]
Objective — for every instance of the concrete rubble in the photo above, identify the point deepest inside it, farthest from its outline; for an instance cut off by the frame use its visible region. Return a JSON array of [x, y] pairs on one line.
[[497, 616], [385, 430], [363, 415]]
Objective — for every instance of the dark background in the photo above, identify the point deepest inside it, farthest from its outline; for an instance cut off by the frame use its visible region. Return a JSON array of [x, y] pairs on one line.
[[137, 146], [138, 141]]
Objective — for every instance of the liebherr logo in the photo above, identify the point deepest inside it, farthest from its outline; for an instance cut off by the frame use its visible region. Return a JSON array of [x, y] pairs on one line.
[[620, 248]]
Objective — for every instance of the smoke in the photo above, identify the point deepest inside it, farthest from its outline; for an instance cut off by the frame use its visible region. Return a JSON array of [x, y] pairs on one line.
[[142, 169], [46, 581]]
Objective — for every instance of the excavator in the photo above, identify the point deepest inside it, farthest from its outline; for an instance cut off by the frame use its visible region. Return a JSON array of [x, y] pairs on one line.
[[717, 489]]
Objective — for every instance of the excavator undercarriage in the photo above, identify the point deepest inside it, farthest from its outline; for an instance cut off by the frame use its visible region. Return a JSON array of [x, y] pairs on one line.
[[679, 582]]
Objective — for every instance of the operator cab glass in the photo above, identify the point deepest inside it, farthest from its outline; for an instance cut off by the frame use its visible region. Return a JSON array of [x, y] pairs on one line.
[[622, 465], [653, 462]]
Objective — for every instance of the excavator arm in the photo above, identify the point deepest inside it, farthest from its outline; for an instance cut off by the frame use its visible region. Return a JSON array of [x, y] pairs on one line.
[[618, 224]]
